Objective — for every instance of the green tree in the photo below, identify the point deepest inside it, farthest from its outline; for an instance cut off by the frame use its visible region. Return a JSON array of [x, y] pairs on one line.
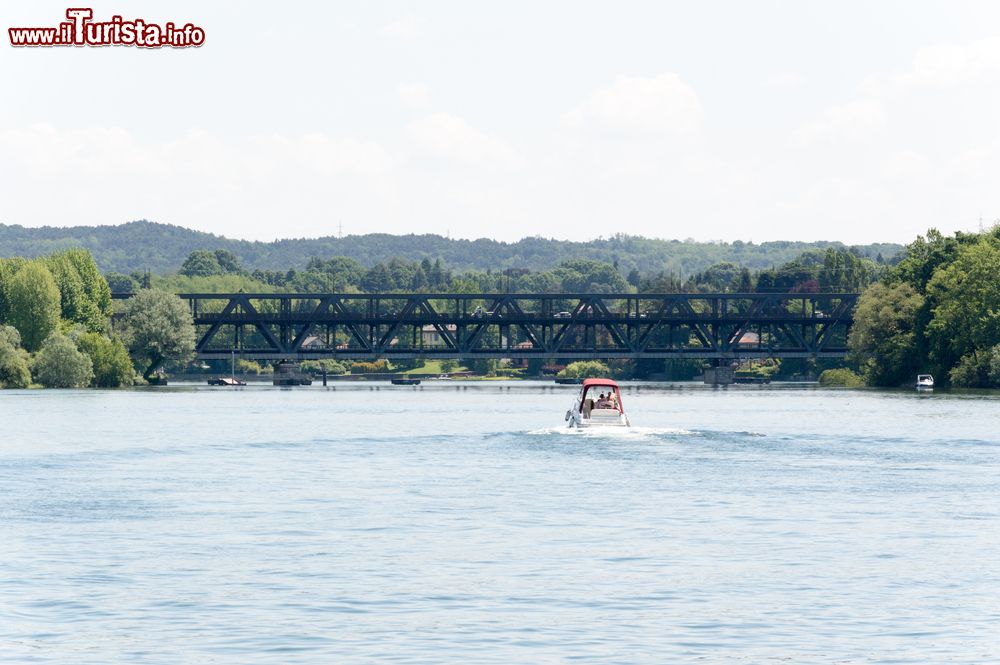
[[8, 268], [378, 280], [157, 327], [33, 304], [485, 366], [111, 362], [59, 364], [94, 285], [201, 263], [589, 276], [228, 262], [924, 256], [966, 305], [74, 303], [883, 339], [120, 283], [10, 335], [15, 366]]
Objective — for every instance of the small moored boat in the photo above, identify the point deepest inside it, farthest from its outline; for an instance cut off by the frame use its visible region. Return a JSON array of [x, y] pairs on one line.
[[599, 404], [925, 382], [227, 381]]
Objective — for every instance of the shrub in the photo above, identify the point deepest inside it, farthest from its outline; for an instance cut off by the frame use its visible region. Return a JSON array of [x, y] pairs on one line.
[[317, 366], [979, 370], [15, 365], [252, 367], [112, 366], [842, 377], [59, 364], [585, 369], [376, 367]]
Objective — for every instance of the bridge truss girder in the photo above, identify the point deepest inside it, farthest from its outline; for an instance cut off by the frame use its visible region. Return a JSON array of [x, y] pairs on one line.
[[517, 326]]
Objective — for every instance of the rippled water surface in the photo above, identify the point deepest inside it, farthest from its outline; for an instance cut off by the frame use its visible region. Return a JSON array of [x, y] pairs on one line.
[[464, 524]]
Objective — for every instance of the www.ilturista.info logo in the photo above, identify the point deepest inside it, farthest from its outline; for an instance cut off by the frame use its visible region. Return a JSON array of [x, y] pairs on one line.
[[81, 30]]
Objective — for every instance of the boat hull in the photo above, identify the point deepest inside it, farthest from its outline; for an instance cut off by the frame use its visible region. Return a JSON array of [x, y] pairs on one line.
[[576, 419], [589, 425]]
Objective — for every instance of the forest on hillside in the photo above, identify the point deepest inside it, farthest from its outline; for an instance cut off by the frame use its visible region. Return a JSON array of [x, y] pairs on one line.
[[219, 271], [163, 248]]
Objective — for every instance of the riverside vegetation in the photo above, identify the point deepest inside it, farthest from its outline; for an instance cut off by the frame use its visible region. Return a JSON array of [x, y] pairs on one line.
[[55, 326], [935, 306], [936, 310]]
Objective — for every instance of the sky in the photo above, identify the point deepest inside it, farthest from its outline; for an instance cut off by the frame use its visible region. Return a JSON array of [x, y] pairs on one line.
[[799, 120]]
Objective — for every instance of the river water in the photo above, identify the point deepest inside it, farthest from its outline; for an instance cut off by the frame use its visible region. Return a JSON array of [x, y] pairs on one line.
[[462, 523]]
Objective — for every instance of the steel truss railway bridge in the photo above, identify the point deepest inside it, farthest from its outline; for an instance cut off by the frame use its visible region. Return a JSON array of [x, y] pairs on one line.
[[710, 326]]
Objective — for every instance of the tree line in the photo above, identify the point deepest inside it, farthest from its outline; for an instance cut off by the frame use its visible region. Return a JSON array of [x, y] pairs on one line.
[[56, 326], [937, 310], [219, 270]]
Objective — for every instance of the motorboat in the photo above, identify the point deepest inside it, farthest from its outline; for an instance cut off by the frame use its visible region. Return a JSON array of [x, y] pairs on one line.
[[925, 382], [590, 410]]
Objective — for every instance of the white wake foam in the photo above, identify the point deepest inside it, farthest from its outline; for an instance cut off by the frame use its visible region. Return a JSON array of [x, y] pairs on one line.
[[612, 432]]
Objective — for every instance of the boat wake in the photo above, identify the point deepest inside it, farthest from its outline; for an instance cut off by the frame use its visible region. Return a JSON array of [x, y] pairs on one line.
[[612, 432]]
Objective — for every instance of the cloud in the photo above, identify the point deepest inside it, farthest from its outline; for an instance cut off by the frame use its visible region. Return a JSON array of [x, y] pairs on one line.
[[781, 80], [852, 121], [451, 137], [102, 151], [940, 66], [415, 95], [250, 186], [950, 64], [906, 166], [325, 155], [633, 104], [403, 28]]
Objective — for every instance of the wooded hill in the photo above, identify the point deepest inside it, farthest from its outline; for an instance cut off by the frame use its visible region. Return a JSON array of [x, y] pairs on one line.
[[162, 248]]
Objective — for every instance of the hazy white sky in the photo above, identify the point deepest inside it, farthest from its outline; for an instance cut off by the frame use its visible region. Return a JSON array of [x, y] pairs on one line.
[[854, 121]]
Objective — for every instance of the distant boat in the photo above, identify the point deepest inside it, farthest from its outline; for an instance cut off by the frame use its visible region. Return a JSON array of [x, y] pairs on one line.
[[226, 381], [925, 382], [406, 382]]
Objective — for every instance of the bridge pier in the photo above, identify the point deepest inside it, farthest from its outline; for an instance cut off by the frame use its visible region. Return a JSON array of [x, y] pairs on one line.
[[719, 375]]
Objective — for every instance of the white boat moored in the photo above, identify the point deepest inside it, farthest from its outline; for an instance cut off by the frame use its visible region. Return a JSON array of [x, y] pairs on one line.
[[925, 382]]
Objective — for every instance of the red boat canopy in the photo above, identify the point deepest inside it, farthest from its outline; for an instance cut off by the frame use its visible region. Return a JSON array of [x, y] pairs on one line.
[[589, 384], [600, 382]]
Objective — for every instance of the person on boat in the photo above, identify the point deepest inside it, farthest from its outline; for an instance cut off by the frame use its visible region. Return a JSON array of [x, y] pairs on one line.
[[603, 402]]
